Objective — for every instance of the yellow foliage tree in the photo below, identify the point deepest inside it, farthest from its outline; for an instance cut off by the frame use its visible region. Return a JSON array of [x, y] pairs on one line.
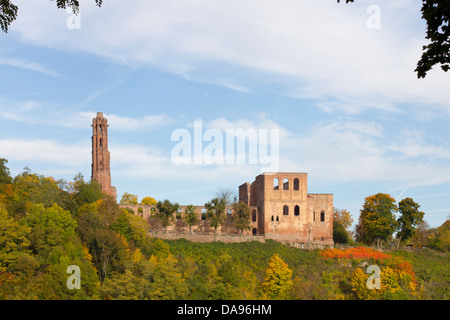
[[278, 279], [149, 201]]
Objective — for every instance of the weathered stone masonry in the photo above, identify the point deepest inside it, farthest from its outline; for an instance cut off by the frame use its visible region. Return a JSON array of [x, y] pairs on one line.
[[281, 207], [101, 171], [283, 210]]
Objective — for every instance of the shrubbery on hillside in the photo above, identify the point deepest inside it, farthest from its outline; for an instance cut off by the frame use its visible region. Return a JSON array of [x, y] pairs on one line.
[[47, 225]]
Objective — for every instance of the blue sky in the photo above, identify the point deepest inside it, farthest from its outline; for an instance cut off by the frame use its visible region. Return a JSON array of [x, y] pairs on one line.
[[343, 95]]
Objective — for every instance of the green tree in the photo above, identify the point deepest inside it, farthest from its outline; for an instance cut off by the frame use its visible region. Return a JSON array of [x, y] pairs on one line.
[[134, 228], [340, 235], [436, 13], [342, 221], [440, 239], [278, 279], [215, 212], [129, 198], [190, 216], [109, 251], [85, 192], [50, 227], [377, 219], [241, 216], [410, 217], [5, 175], [166, 209]]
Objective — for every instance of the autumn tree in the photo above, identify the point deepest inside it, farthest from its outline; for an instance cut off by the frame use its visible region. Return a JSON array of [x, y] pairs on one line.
[[241, 216], [215, 212], [134, 228], [165, 281], [166, 209], [277, 280], [410, 217], [148, 201], [342, 221], [440, 238], [377, 219], [421, 235], [13, 239], [128, 198]]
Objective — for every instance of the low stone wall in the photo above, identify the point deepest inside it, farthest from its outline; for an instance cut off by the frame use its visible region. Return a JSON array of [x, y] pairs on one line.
[[206, 237], [209, 237]]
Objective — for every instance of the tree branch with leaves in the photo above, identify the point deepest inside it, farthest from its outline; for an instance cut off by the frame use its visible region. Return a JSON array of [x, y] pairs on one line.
[[9, 11], [436, 13]]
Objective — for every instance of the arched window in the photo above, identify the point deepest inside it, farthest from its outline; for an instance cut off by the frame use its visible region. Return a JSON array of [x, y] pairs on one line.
[[285, 184], [276, 185], [272, 218], [285, 210], [322, 215], [296, 184], [254, 231], [100, 127], [278, 219], [254, 216], [100, 142], [297, 211], [229, 212], [203, 214]]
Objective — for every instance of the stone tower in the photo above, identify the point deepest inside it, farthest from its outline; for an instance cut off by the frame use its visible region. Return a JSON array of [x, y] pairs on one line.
[[100, 155]]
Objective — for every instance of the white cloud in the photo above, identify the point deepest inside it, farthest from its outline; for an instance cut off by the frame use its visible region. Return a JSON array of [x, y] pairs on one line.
[[345, 151], [41, 151], [319, 50]]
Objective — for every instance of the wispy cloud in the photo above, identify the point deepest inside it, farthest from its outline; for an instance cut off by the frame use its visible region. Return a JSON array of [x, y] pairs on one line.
[[315, 50], [29, 65], [34, 112]]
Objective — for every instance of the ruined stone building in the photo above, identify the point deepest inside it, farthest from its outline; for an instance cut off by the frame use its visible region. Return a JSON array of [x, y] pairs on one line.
[[101, 171], [281, 207]]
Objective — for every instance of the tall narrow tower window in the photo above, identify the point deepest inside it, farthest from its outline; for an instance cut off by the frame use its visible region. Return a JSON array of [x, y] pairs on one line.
[[296, 184], [100, 142]]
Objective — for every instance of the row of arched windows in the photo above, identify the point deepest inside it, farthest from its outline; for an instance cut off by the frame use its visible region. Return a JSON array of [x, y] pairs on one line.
[[276, 184], [297, 213]]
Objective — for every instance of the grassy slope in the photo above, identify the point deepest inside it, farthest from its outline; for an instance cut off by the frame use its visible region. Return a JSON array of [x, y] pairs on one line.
[[319, 279], [431, 267]]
